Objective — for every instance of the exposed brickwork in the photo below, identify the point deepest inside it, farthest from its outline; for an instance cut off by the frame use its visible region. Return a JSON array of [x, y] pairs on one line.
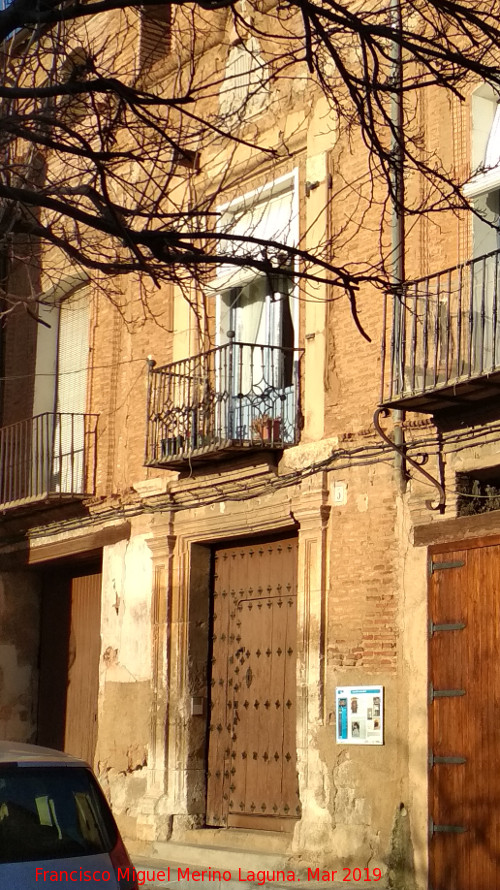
[[359, 599], [363, 598], [17, 363]]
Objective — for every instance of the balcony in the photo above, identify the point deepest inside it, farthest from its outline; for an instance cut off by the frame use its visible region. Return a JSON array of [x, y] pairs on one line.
[[50, 457], [441, 345], [239, 397]]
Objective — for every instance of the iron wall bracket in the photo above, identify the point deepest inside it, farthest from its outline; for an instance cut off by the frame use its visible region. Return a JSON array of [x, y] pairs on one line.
[[384, 412]]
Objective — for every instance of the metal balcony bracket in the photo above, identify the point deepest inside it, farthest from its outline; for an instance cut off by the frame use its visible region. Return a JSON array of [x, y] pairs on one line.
[[384, 412]]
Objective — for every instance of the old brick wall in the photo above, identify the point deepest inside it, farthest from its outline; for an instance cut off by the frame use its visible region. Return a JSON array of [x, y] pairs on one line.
[[19, 640], [373, 591]]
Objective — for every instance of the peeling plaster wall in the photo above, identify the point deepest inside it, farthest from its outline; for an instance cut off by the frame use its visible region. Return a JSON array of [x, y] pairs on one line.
[[19, 641], [125, 676]]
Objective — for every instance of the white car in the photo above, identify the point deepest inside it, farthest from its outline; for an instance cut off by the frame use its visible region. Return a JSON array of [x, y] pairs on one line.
[[56, 828]]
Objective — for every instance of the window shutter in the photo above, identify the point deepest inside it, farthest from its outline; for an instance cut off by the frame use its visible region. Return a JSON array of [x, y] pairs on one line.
[[492, 153], [243, 91], [155, 34], [271, 220], [71, 402], [236, 80], [488, 179], [73, 353]]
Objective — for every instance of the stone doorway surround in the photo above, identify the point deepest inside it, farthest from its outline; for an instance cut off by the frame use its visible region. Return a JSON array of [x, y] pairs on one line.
[[181, 553]]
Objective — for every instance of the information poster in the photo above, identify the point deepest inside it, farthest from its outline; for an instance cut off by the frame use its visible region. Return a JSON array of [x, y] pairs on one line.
[[360, 715]]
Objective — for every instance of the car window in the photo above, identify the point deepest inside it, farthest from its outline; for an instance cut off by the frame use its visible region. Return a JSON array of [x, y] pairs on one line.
[[52, 813]]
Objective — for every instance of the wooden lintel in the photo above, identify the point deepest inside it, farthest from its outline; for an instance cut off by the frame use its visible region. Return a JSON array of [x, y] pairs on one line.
[[71, 546], [461, 529]]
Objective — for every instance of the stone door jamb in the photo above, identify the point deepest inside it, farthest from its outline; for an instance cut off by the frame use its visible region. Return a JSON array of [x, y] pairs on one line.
[[181, 571]]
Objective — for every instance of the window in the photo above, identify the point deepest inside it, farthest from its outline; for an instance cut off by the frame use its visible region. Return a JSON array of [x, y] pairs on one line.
[[484, 190], [243, 91], [267, 215], [154, 34], [61, 388], [478, 492], [256, 312], [52, 813], [71, 107], [251, 303], [484, 186], [71, 397]]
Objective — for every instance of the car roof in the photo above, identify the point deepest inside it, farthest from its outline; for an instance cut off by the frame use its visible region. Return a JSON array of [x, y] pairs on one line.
[[34, 755]]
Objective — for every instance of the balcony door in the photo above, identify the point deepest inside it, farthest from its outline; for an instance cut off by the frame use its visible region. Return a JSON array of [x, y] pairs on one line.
[[483, 323], [260, 340], [485, 283], [60, 398], [255, 321], [71, 396]]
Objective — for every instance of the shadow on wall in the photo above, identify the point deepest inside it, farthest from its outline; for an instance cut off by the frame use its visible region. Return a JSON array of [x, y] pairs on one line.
[[400, 862]]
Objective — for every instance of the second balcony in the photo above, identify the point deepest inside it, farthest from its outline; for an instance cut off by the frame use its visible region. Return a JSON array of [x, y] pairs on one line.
[[441, 348]]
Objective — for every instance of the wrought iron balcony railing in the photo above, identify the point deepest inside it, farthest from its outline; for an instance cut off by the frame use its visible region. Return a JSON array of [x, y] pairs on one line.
[[50, 456], [236, 396], [442, 337]]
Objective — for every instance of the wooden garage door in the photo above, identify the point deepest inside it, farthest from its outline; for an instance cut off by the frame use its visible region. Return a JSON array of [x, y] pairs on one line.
[[252, 777], [464, 709], [83, 669], [70, 645]]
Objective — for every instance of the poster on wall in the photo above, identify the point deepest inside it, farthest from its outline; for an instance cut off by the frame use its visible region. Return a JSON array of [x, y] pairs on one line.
[[360, 715]]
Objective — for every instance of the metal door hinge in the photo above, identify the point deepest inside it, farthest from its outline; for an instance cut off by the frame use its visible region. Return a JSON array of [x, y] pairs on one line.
[[458, 625], [443, 693], [435, 758], [445, 829], [440, 566]]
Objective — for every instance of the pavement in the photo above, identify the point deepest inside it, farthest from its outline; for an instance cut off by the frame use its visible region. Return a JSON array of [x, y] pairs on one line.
[[155, 873]]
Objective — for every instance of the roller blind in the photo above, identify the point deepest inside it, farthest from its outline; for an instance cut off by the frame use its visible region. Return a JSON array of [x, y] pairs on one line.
[[73, 353], [72, 372], [272, 219], [489, 180], [492, 153]]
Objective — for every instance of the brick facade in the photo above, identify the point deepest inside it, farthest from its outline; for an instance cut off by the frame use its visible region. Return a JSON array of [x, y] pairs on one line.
[[362, 597]]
